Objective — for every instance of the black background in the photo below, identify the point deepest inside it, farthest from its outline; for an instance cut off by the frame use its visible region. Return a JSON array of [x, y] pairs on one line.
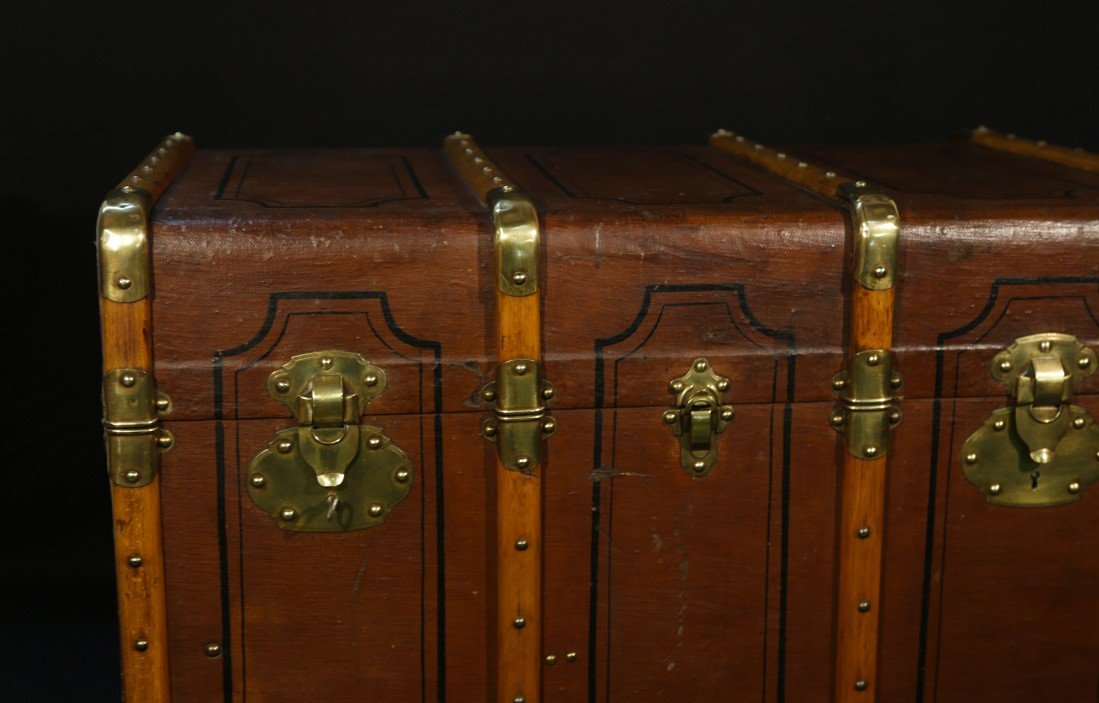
[[88, 89]]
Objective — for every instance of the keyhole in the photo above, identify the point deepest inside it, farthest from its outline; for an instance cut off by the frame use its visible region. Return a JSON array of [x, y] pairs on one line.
[[1034, 480]]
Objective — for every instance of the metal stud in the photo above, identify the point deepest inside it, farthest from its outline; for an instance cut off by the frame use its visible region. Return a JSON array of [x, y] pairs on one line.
[[521, 544], [489, 430], [282, 385], [375, 510], [488, 395], [374, 442], [549, 425], [999, 425], [141, 644], [1074, 487], [1084, 362], [864, 606], [1005, 365], [547, 393], [836, 420], [677, 386], [995, 489], [135, 561], [288, 514], [127, 380], [1045, 345], [723, 385], [132, 476], [863, 532], [519, 623], [402, 475], [870, 451], [326, 362], [519, 699], [551, 659], [163, 405], [1079, 423], [165, 441], [873, 360], [670, 416], [519, 278], [894, 416], [259, 480], [520, 369], [971, 458], [699, 466], [701, 365], [570, 657], [371, 379], [727, 414], [124, 282], [880, 272], [213, 650], [838, 384], [522, 461], [860, 685], [285, 446]]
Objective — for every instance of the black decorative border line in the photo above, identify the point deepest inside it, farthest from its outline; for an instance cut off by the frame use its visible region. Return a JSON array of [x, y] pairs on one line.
[[219, 194], [936, 422], [787, 418], [219, 434], [536, 161]]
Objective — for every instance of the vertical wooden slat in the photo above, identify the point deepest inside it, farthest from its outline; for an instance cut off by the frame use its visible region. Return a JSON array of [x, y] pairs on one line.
[[518, 493], [863, 481], [139, 560]]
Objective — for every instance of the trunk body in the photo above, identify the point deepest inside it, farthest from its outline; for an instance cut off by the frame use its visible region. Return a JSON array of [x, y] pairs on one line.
[[656, 582]]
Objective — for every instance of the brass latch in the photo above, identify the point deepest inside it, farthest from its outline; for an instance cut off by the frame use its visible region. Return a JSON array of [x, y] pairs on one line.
[[132, 407], [520, 424], [1042, 450], [698, 416], [330, 473], [868, 409]]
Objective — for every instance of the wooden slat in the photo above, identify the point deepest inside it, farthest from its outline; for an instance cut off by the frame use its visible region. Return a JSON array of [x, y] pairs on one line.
[[518, 494], [863, 481], [139, 558], [1073, 158]]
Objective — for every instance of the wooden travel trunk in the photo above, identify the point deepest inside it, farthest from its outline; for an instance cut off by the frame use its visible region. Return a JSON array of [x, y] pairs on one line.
[[563, 424]]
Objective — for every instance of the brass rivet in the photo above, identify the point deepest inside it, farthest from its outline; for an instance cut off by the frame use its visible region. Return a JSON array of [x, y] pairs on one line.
[[1084, 362], [165, 441], [860, 184], [677, 386], [699, 466], [802, 164], [880, 272], [521, 369], [163, 404], [371, 379], [1079, 423], [326, 362], [870, 451], [1005, 365], [670, 416], [1045, 345], [547, 393], [488, 430], [723, 385], [124, 282], [895, 416], [141, 644], [374, 442], [519, 623], [488, 394], [522, 461], [701, 365], [288, 514], [999, 425], [375, 510], [864, 606], [519, 699], [829, 174], [127, 189], [863, 532], [282, 385], [971, 458], [838, 384], [135, 561], [570, 657], [780, 155], [213, 650], [285, 446], [873, 360], [127, 380], [727, 414], [995, 489], [402, 475], [521, 544], [549, 425], [836, 419], [860, 685], [519, 278], [551, 659], [896, 381], [259, 480], [1074, 487], [133, 476]]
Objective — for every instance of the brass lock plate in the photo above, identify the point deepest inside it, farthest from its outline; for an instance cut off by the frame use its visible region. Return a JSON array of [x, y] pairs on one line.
[[1043, 450], [330, 473], [698, 416]]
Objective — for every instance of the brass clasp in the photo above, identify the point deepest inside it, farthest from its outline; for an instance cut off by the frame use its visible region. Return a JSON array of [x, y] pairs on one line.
[[698, 416]]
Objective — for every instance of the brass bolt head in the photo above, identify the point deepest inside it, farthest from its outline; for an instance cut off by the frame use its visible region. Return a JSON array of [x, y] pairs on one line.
[[860, 685], [135, 561], [873, 360], [132, 476], [213, 650], [282, 385], [141, 644], [288, 514], [723, 385], [670, 416], [326, 362], [836, 420], [258, 480], [570, 657], [547, 393], [699, 466], [163, 404], [1084, 362], [894, 416], [971, 458], [519, 623], [124, 282], [519, 699], [127, 380], [521, 544], [995, 489], [1079, 423], [285, 446], [488, 430], [677, 386], [371, 379], [1074, 487], [374, 442], [864, 606], [402, 475], [165, 441], [522, 461], [1045, 345], [896, 382], [701, 365], [375, 510], [727, 414], [520, 369], [519, 278], [999, 425], [551, 659], [549, 425], [870, 451], [838, 384], [880, 272], [488, 394], [863, 532], [1005, 365]]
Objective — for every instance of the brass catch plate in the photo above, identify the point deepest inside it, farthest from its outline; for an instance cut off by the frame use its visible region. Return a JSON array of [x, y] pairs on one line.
[[698, 416], [877, 225]]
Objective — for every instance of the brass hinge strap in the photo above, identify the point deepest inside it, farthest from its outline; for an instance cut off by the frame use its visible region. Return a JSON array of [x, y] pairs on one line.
[[521, 422], [514, 216], [868, 407], [122, 230], [1036, 149], [131, 426], [875, 218]]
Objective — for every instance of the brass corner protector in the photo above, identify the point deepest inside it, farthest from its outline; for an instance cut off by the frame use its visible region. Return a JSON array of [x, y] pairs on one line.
[[515, 220], [877, 225], [131, 425], [869, 408]]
